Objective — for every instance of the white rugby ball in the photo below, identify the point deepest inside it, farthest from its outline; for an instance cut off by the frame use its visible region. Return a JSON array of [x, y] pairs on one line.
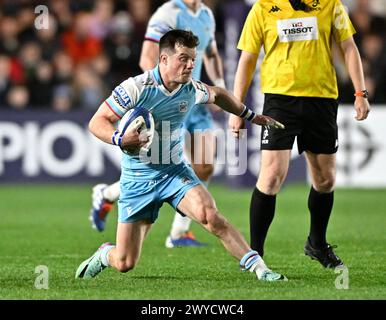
[[141, 117]]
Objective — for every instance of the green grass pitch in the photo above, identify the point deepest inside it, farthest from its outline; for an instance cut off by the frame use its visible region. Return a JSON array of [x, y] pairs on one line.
[[48, 225]]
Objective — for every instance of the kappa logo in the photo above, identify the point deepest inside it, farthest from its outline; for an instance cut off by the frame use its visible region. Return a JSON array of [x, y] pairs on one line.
[[274, 9], [183, 106]]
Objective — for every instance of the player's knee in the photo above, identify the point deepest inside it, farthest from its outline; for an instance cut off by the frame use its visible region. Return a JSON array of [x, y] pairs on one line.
[[205, 214], [215, 222], [325, 184], [201, 214], [271, 184], [203, 171], [125, 265]]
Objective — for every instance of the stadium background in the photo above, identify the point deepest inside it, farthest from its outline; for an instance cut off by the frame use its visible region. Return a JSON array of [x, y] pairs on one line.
[[51, 82]]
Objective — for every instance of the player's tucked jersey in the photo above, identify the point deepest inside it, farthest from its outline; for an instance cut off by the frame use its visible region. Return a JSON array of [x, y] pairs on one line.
[[297, 45], [169, 110], [176, 15]]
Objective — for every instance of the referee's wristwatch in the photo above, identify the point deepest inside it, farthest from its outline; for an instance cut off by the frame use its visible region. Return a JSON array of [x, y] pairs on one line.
[[363, 94]]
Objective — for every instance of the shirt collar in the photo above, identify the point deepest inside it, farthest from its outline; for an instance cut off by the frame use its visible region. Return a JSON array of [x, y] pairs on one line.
[[158, 79]]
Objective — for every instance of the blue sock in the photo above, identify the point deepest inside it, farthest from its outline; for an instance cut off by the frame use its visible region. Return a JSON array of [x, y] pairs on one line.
[[249, 259]]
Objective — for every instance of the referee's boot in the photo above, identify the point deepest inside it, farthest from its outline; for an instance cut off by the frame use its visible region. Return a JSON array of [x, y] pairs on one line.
[[325, 256]]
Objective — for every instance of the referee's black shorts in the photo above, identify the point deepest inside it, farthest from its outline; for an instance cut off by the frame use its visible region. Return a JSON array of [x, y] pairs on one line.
[[311, 120]]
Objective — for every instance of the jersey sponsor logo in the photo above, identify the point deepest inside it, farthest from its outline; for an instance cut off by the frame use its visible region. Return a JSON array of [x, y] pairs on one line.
[[116, 99], [122, 96], [202, 93], [183, 106], [299, 29], [200, 86], [274, 9]]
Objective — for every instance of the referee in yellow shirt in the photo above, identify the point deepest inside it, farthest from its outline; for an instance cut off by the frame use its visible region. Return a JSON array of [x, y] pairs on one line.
[[300, 87]]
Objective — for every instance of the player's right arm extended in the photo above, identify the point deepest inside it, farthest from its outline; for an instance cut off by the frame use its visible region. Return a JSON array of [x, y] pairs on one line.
[[228, 102]]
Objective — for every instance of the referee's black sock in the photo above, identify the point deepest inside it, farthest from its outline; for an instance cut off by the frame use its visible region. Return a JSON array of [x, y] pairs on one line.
[[320, 206], [261, 212]]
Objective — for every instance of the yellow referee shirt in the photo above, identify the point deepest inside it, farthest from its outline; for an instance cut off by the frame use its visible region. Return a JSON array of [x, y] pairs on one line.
[[297, 45]]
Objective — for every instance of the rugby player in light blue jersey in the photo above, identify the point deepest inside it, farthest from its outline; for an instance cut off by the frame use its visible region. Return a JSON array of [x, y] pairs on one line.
[[169, 92], [186, 15]]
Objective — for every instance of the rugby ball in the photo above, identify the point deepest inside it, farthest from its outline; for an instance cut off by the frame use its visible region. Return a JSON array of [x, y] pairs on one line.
[[137, 117]]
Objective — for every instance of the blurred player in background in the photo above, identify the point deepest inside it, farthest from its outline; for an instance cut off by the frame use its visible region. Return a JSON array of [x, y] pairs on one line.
[[145, 186], [186, 15], [299, 82]]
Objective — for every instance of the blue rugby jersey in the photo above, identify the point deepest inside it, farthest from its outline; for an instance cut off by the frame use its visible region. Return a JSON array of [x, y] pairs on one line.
[[169, 110]]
